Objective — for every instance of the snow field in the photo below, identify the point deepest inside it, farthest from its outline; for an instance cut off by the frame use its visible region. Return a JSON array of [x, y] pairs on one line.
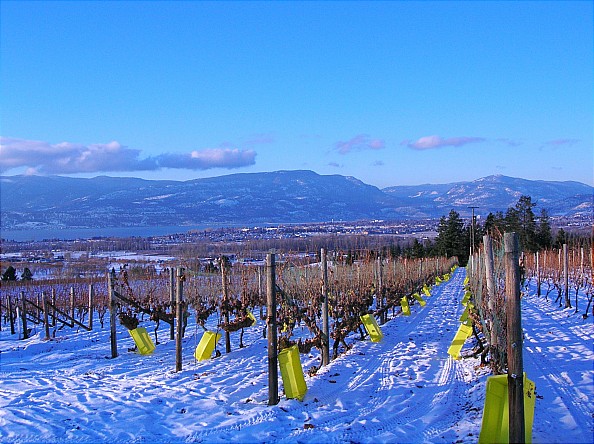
[[403, 389]]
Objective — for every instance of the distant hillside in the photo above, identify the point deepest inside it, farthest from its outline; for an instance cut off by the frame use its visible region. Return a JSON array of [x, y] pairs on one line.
[[276, 197], [497, 193]]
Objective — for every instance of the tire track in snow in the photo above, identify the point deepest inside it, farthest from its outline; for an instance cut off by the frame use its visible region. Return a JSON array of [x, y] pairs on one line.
[[559, 378], [390, 376]]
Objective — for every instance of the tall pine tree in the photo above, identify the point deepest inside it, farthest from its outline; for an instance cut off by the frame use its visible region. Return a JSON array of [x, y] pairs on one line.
[[520, 219], [451, 237], [527, 223], [544, 235]]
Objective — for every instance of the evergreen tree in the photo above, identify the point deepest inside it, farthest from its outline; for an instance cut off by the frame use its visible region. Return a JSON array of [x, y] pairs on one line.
[[526, 223], [521, 220], [27, 275], [560, 239], [417, 249], [512, 221], [489, 224], [494, 225], [452, 239], [544, 235], [395, 250], [9, 274]]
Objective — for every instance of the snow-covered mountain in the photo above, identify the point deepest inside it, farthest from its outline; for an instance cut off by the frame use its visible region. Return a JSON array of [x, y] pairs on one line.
[[275, 197], [497, 193]]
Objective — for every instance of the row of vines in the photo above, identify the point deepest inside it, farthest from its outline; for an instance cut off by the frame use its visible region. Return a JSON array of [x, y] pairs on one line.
[[230, 294], [564, 276]]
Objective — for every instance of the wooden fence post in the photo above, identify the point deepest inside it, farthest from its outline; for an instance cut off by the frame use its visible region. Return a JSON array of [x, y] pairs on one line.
[[380, 289], [492, 303], [112, 314], [53, 305], [489, 270], [179, 314], [538, 283], [172, 301], [72, 302], [325, 323], [91, 306], [259, 270], [271, 330], [515, 364], [566, 276], [581, 276], [24, 315], [223, 262], [10, 315], [18, 316], [45, 316]]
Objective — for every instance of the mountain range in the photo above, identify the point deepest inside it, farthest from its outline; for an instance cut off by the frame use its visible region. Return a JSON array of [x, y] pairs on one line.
[[258, 198]]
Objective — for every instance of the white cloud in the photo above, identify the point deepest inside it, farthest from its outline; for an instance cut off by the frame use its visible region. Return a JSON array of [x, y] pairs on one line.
[[358, 143], [431, 142], [68, 158], [208, 158]]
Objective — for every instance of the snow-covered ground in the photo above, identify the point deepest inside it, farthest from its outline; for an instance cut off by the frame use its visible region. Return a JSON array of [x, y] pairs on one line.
[[403, 389]]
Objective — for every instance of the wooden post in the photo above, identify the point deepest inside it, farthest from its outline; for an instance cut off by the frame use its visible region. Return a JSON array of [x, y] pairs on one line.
[[566, 276], [380, 289], [538, 273], [91, 306], [24, 315], [492, 302], [112, 314], [259, 269], [225, 302], [375, 283], [72, 302], [45, 316], [18, 315], [515, 367], [179, 313], [325, 323], [172, 301], [10, 315], [271, 330], [53, 304], [490, 270]]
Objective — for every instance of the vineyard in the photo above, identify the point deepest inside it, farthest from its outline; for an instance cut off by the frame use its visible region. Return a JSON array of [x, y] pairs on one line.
[[563, 276], [371, 285], [63, 381]]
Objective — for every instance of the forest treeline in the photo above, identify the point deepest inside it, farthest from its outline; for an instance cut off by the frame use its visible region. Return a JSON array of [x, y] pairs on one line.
[[455, 237]]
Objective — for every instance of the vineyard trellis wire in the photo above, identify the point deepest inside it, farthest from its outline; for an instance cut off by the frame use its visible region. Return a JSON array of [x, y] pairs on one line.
[[366, 284]]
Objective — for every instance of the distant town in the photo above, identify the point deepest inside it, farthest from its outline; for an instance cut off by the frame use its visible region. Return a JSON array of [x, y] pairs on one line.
[[79, 257]]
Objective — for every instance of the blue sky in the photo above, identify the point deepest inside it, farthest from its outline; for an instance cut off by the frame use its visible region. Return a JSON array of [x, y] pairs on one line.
[[393, 93]]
